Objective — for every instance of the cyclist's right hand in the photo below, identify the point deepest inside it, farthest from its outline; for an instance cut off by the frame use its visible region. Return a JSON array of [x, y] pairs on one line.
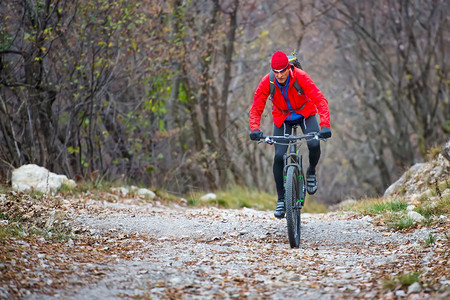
[[256, 135], [325, 133]]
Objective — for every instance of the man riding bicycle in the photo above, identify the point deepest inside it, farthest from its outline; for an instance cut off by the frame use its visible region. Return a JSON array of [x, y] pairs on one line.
[[291, 106]]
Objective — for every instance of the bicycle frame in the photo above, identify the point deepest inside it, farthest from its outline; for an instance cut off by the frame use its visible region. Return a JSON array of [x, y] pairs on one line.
[[294, 158]]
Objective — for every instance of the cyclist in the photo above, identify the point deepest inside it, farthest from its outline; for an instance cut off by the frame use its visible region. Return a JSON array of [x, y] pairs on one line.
[[291, 106]]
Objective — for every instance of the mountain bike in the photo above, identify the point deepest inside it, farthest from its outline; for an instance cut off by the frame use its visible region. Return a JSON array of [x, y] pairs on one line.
[[294, 180]]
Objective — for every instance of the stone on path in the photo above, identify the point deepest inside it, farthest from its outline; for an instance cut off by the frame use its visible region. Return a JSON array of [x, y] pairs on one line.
[[207, 197], [414, 288], [32, 177]]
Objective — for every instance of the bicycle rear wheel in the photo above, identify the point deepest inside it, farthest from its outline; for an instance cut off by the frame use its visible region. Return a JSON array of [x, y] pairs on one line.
[[293, 207]]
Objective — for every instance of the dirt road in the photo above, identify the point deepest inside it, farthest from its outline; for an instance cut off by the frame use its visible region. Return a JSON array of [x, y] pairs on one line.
[[140, 250], [160, 252]]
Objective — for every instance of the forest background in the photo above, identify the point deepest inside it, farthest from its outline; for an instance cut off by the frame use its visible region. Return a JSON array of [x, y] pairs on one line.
[[157, 93]]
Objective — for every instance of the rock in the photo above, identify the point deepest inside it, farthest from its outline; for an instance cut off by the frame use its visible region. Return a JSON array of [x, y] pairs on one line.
[[175, 280], [446, 151], [414, 199], [414, 288], [437, 172], [442, 219], [421, 177], [410, 208], [55, 216], [70, 243], [415, 216], [35, 178], [208, 197], [121, 190], [146, 193], [384, 260], [397, 186]]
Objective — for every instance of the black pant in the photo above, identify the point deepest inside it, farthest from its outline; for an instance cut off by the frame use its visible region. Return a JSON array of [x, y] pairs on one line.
[[307, 125]]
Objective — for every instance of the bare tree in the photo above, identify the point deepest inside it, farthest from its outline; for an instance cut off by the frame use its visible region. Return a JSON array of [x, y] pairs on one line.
[[27, 89], [393, 66]]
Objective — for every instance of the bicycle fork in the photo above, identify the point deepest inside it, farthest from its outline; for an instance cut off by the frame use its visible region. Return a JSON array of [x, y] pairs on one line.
[[296, 161], [301, 183]]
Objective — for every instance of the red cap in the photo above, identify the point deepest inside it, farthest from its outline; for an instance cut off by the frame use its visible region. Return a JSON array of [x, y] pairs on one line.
[[279, 62]]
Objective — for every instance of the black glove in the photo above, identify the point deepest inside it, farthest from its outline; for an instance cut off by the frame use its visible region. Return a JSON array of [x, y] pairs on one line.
[[256, 135], [325, 133]]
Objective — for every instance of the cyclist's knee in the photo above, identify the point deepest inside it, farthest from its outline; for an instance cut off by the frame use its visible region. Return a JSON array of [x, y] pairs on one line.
[[314, 145], [278, 158]]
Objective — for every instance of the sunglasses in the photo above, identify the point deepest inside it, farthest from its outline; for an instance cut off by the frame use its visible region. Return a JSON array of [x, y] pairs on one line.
[[281, 70]]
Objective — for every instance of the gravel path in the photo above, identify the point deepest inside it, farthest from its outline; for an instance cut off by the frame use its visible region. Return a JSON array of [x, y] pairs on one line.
[[210, 253]]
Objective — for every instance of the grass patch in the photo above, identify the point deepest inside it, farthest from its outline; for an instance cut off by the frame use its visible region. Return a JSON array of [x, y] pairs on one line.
[[235, 197], [433, 152], [161, 194], [25, 215], [4, 188], [312, 206], [401, 223], [377, 206], [22, 231], [9, 231], [394, 212], [86, 187], [238, 197], [430, 240], [403, 281], [437, 208], [54, 234]]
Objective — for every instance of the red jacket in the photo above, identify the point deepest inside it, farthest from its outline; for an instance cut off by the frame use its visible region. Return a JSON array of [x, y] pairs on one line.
[[313, 101]]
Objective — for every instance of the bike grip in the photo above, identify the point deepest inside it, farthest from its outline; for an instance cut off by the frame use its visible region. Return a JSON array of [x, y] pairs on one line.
[[324, 133]]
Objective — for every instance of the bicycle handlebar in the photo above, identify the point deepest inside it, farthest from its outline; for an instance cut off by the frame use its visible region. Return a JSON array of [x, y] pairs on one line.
[[272, 139]]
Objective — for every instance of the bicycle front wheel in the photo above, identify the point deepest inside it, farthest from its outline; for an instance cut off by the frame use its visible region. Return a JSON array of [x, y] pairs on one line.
[[293, 207]]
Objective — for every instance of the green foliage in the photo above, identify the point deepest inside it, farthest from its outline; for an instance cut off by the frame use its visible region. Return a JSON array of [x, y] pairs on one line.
[[9, 231], [5, 40], [53, 234], [400, 222], [446, 125], [239, 197], [91, 185], [236, 197], [430, 240], [403, 280], [394, 214], [429, 209], [182, 94], [157, 94], [375, 206], [15, 230], [26, 214]]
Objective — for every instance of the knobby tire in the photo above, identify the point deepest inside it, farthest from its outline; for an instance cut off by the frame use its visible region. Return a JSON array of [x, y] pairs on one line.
[[293, 218]]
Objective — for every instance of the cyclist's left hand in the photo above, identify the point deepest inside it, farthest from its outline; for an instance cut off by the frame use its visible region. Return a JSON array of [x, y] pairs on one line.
[[256, 135], [325, 133]]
